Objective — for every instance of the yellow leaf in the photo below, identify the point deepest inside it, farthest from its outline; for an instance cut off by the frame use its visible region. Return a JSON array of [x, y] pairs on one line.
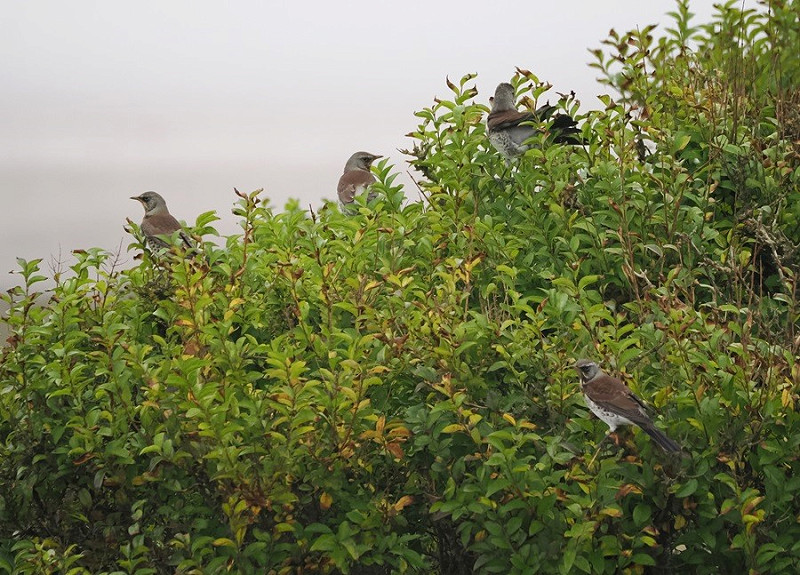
[[400, 432], [751, 504], [404, 501], [786, 397], [325, 501], [611, 512], [510, 419], [627, 489], [223, 542], [680, 522]]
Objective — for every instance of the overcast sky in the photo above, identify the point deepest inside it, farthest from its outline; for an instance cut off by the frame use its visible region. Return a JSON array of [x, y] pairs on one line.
[[103, 100]]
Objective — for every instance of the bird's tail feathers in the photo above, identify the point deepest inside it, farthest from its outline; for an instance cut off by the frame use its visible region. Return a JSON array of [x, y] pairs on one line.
[[661, 438], [566, 131]]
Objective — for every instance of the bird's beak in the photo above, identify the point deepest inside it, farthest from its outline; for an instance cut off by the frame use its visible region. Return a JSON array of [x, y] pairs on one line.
[[137, 198]]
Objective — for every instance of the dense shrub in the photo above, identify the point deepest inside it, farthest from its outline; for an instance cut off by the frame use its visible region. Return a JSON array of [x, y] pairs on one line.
[[390, 392]]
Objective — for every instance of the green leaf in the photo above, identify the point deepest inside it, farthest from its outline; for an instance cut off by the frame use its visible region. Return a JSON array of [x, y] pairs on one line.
[[642, 514], [687, 489], [643, 559]]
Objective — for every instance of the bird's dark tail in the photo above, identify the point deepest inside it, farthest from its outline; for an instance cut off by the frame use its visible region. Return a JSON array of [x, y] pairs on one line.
[[566, 131], [661, 438], [564, 127]]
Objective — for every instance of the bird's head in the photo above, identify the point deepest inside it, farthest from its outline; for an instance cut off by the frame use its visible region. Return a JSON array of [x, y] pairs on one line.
[[587, 369], [152, 202], [360, 161], [503, 98]]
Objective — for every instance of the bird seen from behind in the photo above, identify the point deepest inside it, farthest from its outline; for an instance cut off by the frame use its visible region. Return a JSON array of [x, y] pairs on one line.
[[509, 129]]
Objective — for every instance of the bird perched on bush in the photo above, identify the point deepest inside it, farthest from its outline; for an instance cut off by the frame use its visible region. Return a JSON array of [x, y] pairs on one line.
[[356, 178], [615, 404], [158, 224], [509, 128]]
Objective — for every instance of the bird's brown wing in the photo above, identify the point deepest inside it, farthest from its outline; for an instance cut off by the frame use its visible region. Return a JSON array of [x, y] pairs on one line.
[[616, 397], [352, 183], [508, 119], [160, 227]]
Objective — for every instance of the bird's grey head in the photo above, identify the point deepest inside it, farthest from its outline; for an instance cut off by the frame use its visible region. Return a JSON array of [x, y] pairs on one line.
[[360, 161], [503, 98], [587, 369], [153, 203]]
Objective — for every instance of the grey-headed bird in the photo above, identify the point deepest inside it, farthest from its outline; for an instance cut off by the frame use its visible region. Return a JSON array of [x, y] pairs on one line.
[[356, 178], [158, 224], [509, 128], [615, 404]]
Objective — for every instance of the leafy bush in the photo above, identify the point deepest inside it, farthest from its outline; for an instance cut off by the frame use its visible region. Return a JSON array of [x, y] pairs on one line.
[[390, 392]]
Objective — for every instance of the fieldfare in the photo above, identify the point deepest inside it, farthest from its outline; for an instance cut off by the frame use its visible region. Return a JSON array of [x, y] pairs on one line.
[[356, 178], [614, 403], [509, 128], [158, 224]]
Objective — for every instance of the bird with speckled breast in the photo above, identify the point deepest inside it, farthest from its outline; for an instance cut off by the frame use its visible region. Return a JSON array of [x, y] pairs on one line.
[[615, 404]]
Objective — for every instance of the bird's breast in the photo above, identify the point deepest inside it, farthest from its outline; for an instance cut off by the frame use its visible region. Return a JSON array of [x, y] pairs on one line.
[[613, 420]]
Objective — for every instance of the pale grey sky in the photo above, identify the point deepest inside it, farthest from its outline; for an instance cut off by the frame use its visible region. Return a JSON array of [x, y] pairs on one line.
[[101, 100]]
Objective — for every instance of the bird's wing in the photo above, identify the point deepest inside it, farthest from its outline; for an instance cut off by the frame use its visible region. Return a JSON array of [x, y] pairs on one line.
[[507, 119], [161, 226], [617, 397], [352, 183]]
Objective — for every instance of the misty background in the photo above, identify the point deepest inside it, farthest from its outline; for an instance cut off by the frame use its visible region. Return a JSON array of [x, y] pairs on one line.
[[101, 101]]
